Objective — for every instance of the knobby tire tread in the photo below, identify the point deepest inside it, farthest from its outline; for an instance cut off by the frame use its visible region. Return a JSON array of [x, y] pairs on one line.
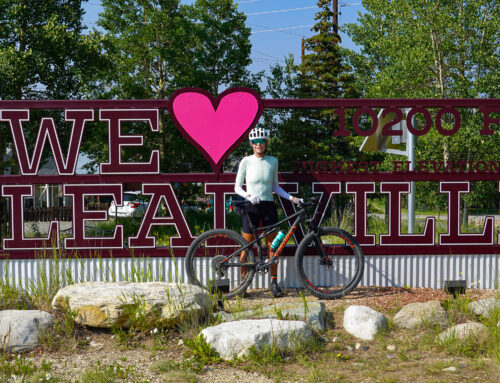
[[193, 248], [357, 252]]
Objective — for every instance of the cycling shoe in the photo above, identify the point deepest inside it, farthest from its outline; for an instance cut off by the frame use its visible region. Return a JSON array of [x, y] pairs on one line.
[[276, 291]]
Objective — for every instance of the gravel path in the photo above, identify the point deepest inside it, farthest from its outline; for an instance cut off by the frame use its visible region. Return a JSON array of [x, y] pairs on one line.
[[138, 362]]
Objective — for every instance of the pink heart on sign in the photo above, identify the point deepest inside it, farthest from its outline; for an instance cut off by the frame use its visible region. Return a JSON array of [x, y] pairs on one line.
[[215, 126]]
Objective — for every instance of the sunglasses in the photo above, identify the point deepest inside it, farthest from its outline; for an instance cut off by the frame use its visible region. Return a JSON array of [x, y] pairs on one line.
[[258, 141]]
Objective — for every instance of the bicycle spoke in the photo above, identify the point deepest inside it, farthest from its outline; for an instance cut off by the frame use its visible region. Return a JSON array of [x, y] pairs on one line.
[[213, 264], [336, 275]]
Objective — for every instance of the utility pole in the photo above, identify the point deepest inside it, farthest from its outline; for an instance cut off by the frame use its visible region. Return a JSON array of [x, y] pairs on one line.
[[335, 8], [303, 51]]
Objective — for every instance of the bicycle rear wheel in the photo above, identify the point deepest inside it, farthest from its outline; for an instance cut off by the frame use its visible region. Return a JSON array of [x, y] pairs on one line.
[[335, 276], [209, 265]]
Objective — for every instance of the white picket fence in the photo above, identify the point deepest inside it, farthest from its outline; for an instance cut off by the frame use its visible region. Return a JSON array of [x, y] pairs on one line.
[[478, 270]]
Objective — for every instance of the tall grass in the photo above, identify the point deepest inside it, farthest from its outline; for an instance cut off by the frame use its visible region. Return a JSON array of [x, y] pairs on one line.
[[54, 270]]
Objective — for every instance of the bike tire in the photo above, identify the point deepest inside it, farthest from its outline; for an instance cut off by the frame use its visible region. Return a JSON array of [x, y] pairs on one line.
[[337, 279], [203, 256]]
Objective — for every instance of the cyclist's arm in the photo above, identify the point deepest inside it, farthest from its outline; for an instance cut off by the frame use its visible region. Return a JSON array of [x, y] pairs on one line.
[[281, 192], [276, 186], [240, 177]]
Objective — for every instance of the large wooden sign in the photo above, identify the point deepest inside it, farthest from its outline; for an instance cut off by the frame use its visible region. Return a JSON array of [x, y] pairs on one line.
[[216, 127]]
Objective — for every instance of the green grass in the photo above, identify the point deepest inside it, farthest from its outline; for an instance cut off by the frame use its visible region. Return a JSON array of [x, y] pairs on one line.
[[471, 347], [109, 373], [201, 351], [184, 371], [19, 368]]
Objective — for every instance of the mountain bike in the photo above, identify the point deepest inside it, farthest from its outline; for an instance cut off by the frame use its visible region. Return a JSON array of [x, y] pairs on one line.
[[328, 261]]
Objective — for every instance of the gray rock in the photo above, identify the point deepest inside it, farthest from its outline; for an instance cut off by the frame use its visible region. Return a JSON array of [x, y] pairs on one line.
[[364, 322], [222, 316], [313, 315], [416, 314], [234, 339], [111, 304], [484, 307], [20, 329], [464, 330]]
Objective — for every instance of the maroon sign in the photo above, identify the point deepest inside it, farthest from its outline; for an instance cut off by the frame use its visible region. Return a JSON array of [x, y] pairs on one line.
[[216, 127]]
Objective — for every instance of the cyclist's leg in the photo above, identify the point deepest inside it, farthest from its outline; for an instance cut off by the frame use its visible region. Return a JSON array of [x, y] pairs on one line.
[[269, 240], [248, 222], [270, 218], [243, 256]]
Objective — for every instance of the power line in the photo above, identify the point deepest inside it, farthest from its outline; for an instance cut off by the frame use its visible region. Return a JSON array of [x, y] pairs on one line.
[[349, 5], [287, 32], [267, 59], [266, 54], [280, 11], [248, 1], [284, 29], [266, 62]]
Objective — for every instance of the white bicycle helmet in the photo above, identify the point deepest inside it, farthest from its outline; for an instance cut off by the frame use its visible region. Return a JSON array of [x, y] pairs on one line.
[[257, 133]]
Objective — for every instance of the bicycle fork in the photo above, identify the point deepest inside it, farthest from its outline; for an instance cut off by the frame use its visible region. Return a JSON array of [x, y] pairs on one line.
[[323, 253]]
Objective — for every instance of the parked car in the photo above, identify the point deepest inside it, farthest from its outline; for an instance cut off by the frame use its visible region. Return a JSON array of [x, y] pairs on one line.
[[133, 206]]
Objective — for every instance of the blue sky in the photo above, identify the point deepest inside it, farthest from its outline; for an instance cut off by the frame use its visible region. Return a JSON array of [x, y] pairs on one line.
[[277, 26]]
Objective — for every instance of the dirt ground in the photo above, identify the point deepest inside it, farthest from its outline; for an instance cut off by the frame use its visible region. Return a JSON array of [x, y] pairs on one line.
[[163, 358]]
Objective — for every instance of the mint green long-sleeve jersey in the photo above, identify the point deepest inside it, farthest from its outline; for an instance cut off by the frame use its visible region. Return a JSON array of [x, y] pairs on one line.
[[260, 174]]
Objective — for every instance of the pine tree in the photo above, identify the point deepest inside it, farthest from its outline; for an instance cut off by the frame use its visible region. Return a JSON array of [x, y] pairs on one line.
[[323, 72], [308, 135]]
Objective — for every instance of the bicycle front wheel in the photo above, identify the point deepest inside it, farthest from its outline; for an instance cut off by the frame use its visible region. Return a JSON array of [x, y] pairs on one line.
[[335, 275], [213, 262]]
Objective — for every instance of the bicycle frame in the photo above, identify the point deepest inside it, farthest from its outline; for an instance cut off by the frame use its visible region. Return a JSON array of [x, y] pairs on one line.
[[300, 216]]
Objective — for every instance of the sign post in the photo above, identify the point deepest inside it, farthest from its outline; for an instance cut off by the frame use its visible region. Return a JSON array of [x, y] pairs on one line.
[[392, 144]]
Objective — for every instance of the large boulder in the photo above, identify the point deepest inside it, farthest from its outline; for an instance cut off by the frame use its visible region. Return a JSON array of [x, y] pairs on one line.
[[234, 339], [484, 307], [416, 314], [20, 329], [364, 322], [464, 330], [313, 313], [111, 304]]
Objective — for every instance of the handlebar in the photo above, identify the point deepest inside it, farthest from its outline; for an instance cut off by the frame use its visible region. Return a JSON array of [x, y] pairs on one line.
[[311, 202]]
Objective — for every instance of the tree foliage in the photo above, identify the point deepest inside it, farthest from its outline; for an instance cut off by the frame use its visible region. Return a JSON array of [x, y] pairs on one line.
[[424, 48], [308, 135], [439, 48], [159, 46], [44, 54], [222, 45]]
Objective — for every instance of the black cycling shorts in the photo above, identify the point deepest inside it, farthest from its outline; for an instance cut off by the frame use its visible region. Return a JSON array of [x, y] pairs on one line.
[[262, 214]]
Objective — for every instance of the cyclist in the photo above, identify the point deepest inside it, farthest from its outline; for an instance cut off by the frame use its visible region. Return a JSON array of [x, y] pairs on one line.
[[260, 171]]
